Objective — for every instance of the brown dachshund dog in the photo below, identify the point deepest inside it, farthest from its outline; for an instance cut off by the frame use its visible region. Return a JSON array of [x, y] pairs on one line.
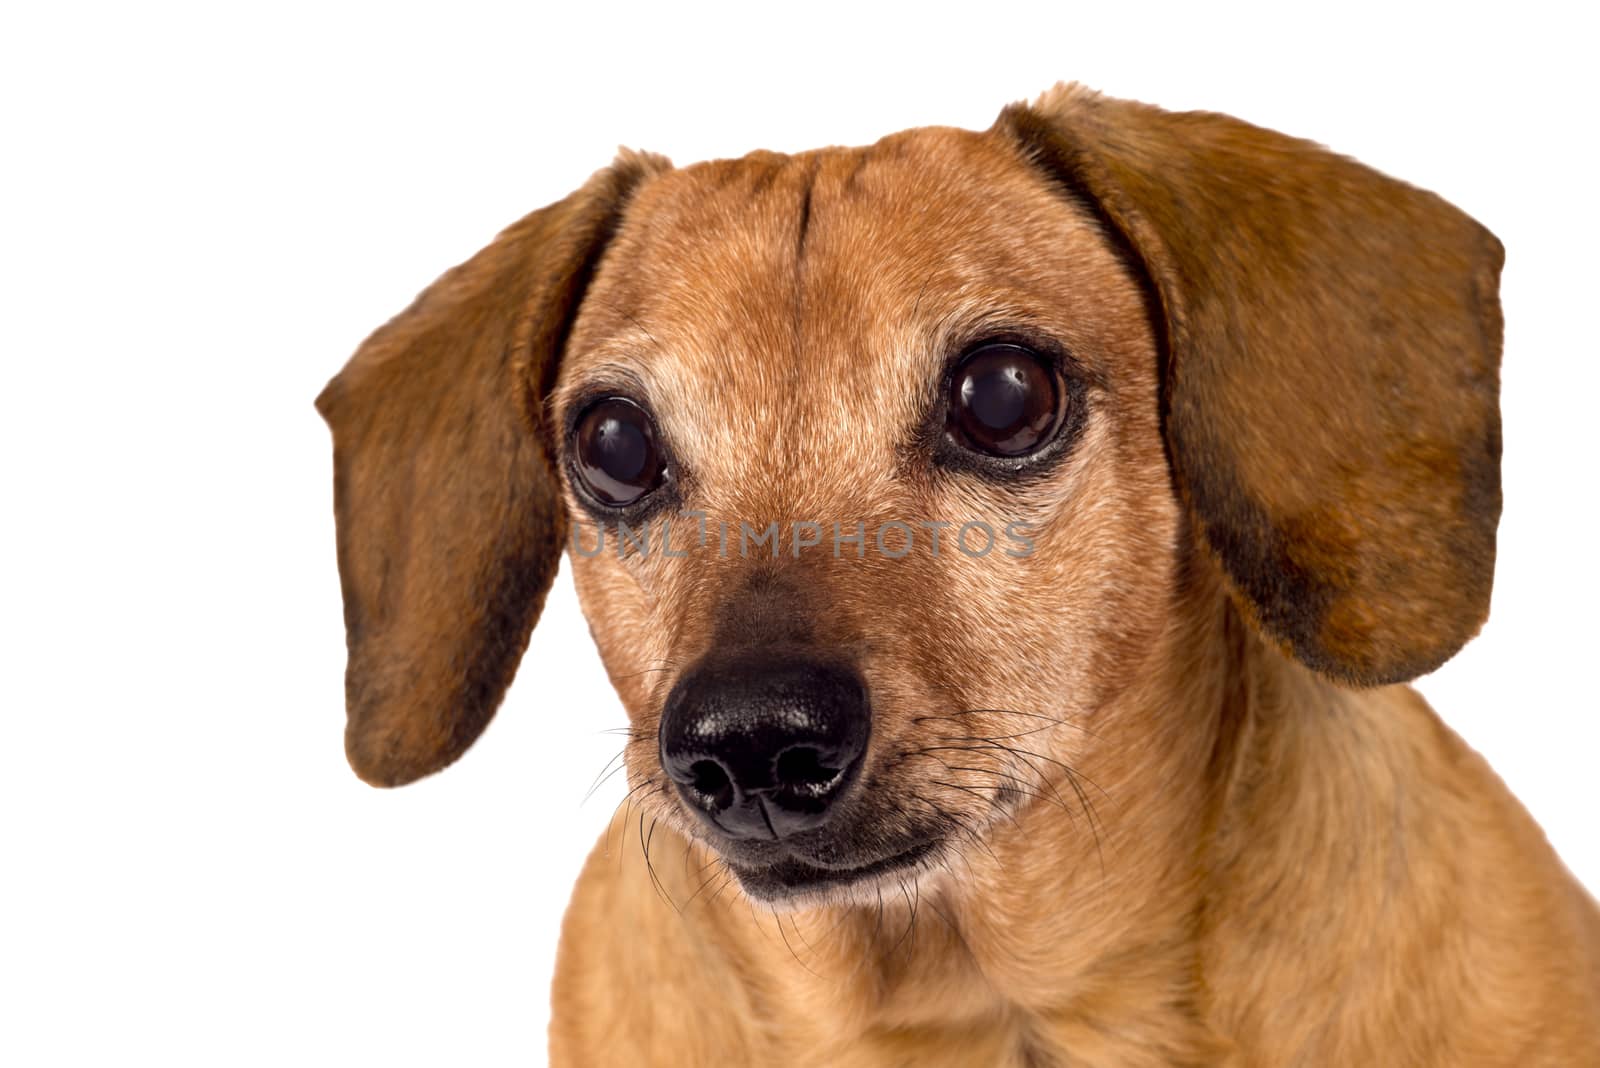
[[1009, 548]]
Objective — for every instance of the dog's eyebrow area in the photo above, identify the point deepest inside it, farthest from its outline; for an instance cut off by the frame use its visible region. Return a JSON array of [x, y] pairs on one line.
[[794, 319]]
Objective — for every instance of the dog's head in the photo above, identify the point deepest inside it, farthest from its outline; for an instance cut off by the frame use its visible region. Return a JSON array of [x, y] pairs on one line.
[[873, 461]]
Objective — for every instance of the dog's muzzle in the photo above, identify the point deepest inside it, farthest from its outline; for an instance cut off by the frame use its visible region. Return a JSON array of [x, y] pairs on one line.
[[762, 745]]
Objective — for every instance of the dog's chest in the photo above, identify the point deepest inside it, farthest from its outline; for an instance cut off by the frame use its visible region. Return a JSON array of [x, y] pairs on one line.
[[966, 1022], [1024, 1043]]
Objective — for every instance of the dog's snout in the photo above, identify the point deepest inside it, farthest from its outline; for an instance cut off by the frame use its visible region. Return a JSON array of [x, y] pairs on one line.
[[762, 745]]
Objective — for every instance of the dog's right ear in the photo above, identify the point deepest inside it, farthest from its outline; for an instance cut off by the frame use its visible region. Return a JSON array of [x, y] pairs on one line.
[[449, 510]]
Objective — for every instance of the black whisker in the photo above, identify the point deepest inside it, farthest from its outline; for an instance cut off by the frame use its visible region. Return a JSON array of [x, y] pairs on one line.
[[910, 921], [713, 877], [644, 847], [781, 934], [627, 799]]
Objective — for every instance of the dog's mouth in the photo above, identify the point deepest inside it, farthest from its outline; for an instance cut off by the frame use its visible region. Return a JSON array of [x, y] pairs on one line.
[[789, 876]]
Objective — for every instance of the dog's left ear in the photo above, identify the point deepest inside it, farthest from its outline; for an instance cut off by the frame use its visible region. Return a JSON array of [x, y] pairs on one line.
[[449, 511], [1331, 339]]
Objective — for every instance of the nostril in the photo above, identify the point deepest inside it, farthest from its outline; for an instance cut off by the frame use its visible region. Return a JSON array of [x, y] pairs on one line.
[[712, 784], [800, 768]]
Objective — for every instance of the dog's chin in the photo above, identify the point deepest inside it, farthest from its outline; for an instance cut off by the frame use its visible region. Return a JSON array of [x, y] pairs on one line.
[[792, 880]]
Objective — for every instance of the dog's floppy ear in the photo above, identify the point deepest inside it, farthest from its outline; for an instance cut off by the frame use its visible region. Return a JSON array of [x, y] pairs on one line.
[[1331, 339], [449, 511]]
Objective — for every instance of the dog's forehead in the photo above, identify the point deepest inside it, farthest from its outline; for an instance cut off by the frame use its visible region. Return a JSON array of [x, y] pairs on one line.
[[778, 312]]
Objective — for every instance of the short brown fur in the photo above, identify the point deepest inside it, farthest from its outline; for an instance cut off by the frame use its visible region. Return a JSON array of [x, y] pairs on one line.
[[1174, 834]]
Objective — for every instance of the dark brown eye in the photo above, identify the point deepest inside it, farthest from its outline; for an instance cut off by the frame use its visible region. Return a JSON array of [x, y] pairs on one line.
[[616, 451], [1004, 401]]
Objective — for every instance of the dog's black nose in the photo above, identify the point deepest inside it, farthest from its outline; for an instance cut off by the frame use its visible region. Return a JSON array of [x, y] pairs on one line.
[[761, 745]]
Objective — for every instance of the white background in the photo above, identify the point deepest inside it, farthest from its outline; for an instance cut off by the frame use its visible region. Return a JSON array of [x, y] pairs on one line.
[[204, 211]]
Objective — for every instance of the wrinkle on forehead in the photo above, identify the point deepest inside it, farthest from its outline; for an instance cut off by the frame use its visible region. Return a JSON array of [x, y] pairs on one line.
[[788, 316]]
